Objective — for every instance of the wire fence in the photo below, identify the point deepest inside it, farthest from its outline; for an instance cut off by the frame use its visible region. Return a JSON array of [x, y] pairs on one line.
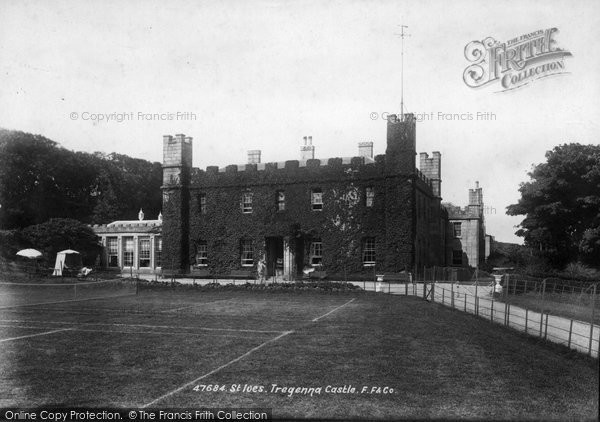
[[579, 335], [487, 301], [18, 294]]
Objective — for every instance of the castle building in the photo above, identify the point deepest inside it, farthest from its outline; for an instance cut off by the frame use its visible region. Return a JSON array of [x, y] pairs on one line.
[[340, 215], [343, 216]]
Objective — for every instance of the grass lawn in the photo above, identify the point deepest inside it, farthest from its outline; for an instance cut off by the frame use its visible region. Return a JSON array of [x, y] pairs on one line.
[[567, 305], [405, 358]]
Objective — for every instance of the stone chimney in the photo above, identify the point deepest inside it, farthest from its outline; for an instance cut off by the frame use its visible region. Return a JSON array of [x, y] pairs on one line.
[[476, 199], [254, 156], [365, 149], [141, 215], [307, 151]]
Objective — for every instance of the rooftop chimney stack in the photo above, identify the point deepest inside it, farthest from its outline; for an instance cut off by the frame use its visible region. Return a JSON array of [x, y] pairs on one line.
[[365, 149], [254, 156], [476, 195], [476, 199], [307, 151]]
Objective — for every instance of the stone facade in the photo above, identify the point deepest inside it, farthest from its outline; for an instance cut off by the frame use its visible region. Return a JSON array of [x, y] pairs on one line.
[[344, 216], [131, 245], [351, 215], [466, 244]]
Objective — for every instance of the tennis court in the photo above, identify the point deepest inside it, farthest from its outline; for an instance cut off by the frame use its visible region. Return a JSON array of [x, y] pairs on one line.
[[308, 354]]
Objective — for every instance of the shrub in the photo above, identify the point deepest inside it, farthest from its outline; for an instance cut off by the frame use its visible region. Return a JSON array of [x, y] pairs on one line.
[[577, 270]]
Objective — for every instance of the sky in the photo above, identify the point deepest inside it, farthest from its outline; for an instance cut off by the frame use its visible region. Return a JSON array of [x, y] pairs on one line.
[[261, 74]]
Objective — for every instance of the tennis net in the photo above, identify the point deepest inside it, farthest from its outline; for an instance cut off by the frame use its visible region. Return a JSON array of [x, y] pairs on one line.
[[20, 294]]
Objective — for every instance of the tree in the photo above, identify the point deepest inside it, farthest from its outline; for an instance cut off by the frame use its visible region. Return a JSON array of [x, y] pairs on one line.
[[561, 204], [124, 185], [63, 233], [40, 180]]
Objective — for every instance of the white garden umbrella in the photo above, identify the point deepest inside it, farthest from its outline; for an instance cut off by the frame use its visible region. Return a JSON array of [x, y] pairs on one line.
[[29, 253], [68, 251]]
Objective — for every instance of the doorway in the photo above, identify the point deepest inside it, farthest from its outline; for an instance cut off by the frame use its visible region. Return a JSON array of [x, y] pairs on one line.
[[274, 250]]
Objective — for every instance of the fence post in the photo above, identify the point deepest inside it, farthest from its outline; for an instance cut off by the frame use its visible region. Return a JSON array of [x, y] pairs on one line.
[[505, 313], [592, 319], [515, 287], [525, 289], [546, 330], [570, 331], [542, 305], [443, 294], [476, 305], [452, 297], [526, 318], [465, 302], [492, 311], [508, 315], [406, 289], [432, 292]]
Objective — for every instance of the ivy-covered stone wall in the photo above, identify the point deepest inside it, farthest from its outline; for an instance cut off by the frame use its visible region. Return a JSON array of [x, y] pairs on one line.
[[342, 225], [203, 210]]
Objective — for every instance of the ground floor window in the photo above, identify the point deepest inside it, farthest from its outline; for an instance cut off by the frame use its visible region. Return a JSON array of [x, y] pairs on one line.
[[144, 252], [128, 251], [201, 254], [316, 252], [158, 251], [112, 247], [369, 251], [247, 253]]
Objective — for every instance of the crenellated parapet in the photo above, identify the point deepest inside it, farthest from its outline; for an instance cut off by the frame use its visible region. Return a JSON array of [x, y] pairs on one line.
[[424, 179], [291, 171]]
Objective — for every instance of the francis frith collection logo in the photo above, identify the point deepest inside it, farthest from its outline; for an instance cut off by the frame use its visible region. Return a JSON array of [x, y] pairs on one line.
[[516, 62]]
